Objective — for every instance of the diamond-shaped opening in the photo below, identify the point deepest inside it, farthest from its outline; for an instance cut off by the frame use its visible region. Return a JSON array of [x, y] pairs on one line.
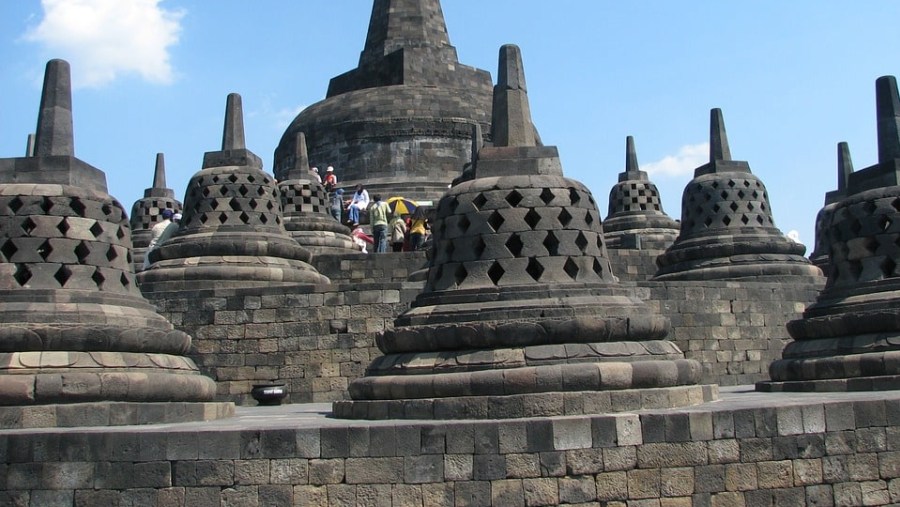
[[888, 266], [253, 203], [235, 204], [269, 205], [244, 217], [571, 268], [707, 222], [726, 220], [277, 219], [98, 277], [8, 249], [22, 274], [243, 190], [124, 280], [128, 258], [745, 219], [28, 225], [574, 196], [551, 243], [532, 218], [106, 209], [77, 206], [884, 222], [263, 219], [495, 220], [896, 204], [734, 207], [760, 220], [747, 183], [581, 241], [708, 196], [724, 194], [514, 198], [496, 272], [96, 229], [478, 247], [82, 251], [750, 206], [598, 268], [698, 210], [205, 191], [223, 217], [214, 204], [63, 226], [731, 183], [250, 178], [463, 223], [716, 208], [62, 275], [565, 218], [453, 204], [547, 195], [45, 249], [589, 218], [46, 204], [762, 206], [869, 207], [232, 178], [223, 191], [15, 204], [479, 201], [203, 218], [215, 179], [514, 245], [120, 233], [715, 184], [261, 191], [449, 249], [111, 253], [266, 180], [855, 227], [534, 269], [460, 274]]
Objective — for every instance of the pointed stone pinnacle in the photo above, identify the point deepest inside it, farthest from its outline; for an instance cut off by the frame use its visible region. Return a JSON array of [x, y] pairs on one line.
[[233, 136], [888, 112], [845, 166], [159, 174], [301, 160], [718, 139], [477, 141], [631, 162], [398, 24], [54, 134], [29, 146], [511, 119]]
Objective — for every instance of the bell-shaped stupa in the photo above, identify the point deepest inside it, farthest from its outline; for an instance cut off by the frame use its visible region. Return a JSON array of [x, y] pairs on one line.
[[232, 232], [400, 122], [849, 339], [74, 328], [147, 212], [520, 315], [727, 230], [306, 207], [819, 256], [635, 214]]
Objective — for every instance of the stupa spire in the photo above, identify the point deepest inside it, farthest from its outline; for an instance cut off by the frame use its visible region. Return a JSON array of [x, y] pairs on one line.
[[233, 136], [511, 123], [888, 111], [159, 173], [29, 146], [718, 138], [54, 133], [301, 163], [631, 161], [401, 24], [845, 166]]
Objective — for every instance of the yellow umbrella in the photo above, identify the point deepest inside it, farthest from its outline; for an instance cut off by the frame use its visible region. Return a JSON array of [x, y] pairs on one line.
[[402, 205]]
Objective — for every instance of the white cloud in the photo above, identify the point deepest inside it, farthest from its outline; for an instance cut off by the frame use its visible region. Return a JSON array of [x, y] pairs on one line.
[[688, 158], [286, 116], [105, 38]]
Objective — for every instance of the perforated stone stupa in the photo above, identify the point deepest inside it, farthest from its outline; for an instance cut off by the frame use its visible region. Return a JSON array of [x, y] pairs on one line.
[[147, 212], [521, 315], [636, 217], [849, 339], [399, 123], [74, 328], [306, 209], [819, 256], [727, 230], [232, 232]]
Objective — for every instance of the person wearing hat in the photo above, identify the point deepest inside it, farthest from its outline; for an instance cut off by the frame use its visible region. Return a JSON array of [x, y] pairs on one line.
[[156, 234], [314, 172], [337, 203], [330, 179]]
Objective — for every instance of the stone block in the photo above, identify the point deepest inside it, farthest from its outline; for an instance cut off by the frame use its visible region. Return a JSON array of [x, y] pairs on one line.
[[584, 461], [289, 471], [834, 469], [807, 471], [472, 493], [423, 469], [644, 483], [553, 464], [341, 494], [775, 474], [406, 494], [871, 440], [820, 495], [508, 492], [847, 493], [52, 498], [727, 499], [863, 467], [619, 458], [519, 466], [310, 495], [275, 495], [202, 497], [756, 449], [571, 434], [489, 467], [253, 471], [577, 489], [433, 495], [723, 451], [458, 467], [676, 482], [842, 442], [741, 476], [628, 430], [839, 417], [875, 493], [373, 470], [612, 486]]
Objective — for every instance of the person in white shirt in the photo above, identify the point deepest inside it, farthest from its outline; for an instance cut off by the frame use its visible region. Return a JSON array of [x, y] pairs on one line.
[[358, 203]]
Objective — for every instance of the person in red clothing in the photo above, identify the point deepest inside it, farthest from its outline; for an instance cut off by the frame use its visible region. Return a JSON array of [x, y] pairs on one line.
[[330, 181]]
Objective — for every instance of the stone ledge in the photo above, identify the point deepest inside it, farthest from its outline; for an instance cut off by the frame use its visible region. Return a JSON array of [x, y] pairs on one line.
[[111, 414]]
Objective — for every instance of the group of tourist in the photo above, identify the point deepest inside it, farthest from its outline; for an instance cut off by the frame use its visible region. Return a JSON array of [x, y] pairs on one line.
[[389, 229]]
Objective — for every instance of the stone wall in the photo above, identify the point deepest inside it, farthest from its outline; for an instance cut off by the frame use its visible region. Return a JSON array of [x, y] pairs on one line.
[[815, 453]]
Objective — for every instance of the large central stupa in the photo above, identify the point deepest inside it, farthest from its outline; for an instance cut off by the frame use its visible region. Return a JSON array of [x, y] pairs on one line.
[[401, 122]]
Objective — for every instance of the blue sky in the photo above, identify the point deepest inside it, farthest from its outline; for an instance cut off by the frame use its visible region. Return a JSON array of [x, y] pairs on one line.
[[792, 78]]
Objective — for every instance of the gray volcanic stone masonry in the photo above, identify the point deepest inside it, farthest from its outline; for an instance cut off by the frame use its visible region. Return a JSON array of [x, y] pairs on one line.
[[307, 210], [520, 303], [401, 122], [636, 218], [727, 230], [747, 450], [819, 256], [75, 328], [147, 212], [232, 232], [850, 338]]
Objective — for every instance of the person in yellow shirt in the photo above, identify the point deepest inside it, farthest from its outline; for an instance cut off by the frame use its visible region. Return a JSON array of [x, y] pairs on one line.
[[418, 227]]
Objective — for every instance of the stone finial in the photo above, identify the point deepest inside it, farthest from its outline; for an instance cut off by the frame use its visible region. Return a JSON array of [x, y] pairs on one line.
[[511, 121], [888, 111], [301, 162], [477, 141], [845, 166], [404, 24], [159, 173], [233, 136], [631, 161], [54, 134], [29, 146], [718, 138]]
